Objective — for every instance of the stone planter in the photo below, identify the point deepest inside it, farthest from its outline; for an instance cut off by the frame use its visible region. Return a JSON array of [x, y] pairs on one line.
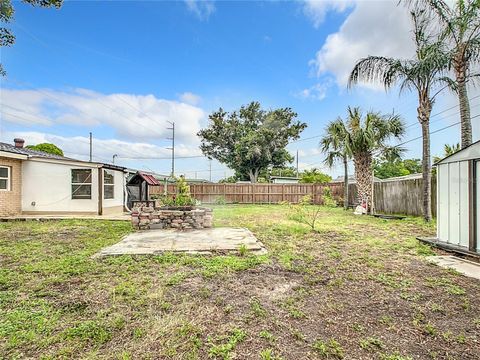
[[178, 217]]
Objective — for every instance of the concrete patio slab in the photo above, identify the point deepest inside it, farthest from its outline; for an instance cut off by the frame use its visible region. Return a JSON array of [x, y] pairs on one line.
[[466, 267], [204, 241]]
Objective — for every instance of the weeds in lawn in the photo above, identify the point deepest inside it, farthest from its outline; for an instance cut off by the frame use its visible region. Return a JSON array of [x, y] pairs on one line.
[[267, 354], [264, 334], [224, 349], [394, 356], [242, 250], [90, 330], [329, 348], [371, 344], [257, 309]]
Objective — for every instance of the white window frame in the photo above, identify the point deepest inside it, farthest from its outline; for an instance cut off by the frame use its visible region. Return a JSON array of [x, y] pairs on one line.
[[8, 178], [83, 184], [105, 185]]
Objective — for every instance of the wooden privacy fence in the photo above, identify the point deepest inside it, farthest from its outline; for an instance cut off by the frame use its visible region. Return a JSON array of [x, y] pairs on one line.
[[403, 197], [390, 197], [255, 193]]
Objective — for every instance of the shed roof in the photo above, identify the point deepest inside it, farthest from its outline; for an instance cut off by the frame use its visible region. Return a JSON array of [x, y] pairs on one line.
[[469, 153], [150, 179]]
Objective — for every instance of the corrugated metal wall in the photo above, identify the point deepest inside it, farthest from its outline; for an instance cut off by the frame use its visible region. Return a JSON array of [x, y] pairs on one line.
[[453, 203]]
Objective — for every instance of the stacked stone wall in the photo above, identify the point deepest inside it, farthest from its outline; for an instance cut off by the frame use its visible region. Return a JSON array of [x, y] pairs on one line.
[[148, 217]]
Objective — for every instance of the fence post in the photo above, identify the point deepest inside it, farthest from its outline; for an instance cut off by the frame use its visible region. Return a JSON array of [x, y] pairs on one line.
[[283, 192]]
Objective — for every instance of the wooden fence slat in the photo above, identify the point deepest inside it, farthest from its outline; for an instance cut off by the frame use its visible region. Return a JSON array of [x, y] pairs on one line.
[[400, 197]]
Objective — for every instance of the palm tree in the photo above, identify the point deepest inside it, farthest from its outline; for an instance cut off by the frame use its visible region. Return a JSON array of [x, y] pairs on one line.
[[333, 145], [461, 36], [421, 74], [362, 138]]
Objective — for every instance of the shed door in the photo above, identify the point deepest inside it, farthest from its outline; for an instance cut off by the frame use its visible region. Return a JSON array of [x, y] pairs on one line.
[[477, 203]]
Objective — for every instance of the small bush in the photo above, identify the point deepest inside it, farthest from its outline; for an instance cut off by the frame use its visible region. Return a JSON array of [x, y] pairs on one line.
[[181, 198], [327, 197], [304, 212], [220, 200]]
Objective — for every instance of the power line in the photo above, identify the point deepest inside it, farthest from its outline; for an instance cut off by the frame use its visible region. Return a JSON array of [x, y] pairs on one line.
[[46, 45], [408, 126]]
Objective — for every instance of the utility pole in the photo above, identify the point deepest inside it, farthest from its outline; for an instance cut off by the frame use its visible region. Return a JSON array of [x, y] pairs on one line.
[[297, 163], [91, 139], [173, 146], [113, 158], [210, 169]]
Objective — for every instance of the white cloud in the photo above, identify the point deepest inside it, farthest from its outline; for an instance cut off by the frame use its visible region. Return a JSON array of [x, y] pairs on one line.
[[103, 149], [315, 92], [372, 28], [190, 98], [130, 116], [316, 10], [201, 8]]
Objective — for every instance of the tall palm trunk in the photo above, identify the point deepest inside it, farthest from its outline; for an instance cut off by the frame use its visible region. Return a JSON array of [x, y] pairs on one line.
[[345, 183], [424, 110], [460, 68], [363, 176]]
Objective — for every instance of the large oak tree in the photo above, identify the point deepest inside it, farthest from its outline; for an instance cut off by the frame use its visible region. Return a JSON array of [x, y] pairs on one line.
[[251, 139]]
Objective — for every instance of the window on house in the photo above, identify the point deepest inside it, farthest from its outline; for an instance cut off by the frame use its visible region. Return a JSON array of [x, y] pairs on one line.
[[4, 178], [108, 184], [81, 183]]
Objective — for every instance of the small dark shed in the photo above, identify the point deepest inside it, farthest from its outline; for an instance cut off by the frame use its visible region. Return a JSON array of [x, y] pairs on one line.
[[137, 187]]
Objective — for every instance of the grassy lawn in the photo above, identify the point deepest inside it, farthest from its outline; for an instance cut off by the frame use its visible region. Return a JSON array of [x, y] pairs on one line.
[[359, 288]]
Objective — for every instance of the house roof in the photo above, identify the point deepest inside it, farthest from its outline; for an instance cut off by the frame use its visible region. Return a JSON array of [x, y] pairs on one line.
[[150, 179], [404, 177], [5, 147], [352, 180], [285, 177], [470, 152], [31, 153]]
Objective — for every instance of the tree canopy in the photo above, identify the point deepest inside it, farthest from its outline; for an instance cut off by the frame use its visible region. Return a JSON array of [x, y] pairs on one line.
[[251, 139], [314, 176], [384, 169], [46, 147]]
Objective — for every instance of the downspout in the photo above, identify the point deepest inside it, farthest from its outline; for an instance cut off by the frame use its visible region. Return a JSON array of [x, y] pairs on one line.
[[125, 193]]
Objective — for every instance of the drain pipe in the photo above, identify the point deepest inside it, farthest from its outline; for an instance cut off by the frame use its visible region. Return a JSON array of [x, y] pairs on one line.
[[125, 193]]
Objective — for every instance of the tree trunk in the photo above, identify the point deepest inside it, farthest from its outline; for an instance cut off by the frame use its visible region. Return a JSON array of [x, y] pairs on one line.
[[253, 175], [363, 176], [465, 120], [424, 109], [345, 183]]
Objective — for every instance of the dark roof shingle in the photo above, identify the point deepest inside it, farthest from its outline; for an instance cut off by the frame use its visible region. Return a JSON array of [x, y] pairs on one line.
[[24, 151]]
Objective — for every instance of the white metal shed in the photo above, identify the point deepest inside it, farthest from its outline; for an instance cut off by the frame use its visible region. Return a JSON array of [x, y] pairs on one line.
[[458, 195]]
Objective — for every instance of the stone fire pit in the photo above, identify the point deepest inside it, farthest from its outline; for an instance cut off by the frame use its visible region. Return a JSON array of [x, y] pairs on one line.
[[146, 216]]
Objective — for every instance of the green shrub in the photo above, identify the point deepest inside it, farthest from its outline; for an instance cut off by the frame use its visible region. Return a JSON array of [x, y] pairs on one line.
[[181, 198], [327, 197]]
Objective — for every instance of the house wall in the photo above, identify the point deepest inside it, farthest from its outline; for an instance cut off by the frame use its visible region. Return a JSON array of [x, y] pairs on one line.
[[453, 203], [115, 205], [48, 185], [10, 201]]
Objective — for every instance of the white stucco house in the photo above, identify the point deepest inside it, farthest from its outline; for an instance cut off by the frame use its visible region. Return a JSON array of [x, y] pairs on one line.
[[34, 182]]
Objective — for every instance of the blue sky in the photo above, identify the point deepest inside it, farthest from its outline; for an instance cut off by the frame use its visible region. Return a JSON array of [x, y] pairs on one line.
[[124, 69]]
